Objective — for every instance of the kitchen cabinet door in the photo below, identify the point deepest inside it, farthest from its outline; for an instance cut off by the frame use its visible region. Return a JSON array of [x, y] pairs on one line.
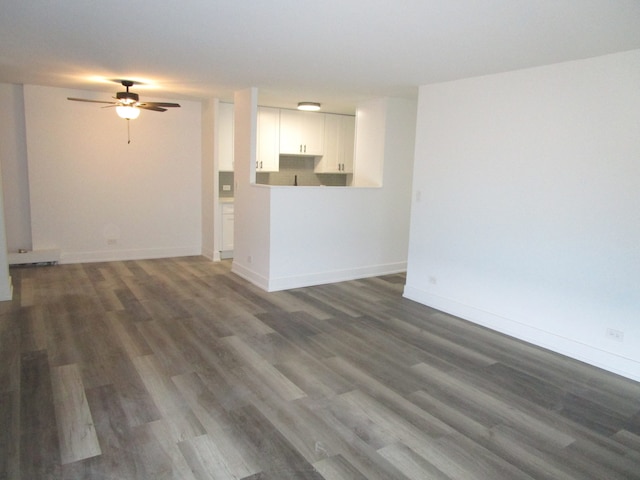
[[227, 226], [339, 141], [225, 137], [347, 142], [268, 137], [301, 133]]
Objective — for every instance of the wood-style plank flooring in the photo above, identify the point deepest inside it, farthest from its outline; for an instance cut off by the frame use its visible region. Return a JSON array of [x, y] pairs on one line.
[[178, 369]]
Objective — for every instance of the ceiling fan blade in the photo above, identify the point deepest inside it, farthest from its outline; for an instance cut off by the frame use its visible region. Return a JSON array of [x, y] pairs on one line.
[[154, 108], [161, 104], [86, 100]]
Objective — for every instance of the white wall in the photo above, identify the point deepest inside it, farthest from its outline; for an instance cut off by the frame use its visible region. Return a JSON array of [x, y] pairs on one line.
[[252, 215], [303, 236], [89, 188], [209, 180], [6, 286], [15, 226], [13, 157], [525, 214], [371, 124]]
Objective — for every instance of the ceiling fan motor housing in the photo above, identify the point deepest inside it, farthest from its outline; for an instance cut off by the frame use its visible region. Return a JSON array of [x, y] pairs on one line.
[[127, 97]]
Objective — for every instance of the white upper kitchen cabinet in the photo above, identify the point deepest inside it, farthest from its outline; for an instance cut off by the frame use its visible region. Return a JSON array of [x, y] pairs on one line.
[[301, 133], [339, 142], [268, 154], [225, 137]]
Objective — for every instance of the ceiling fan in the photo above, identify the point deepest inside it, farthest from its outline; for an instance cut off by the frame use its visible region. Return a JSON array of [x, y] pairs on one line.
[[128, 104]]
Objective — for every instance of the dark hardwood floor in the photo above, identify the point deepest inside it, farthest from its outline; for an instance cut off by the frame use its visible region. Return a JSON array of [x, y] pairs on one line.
[[178, 369]]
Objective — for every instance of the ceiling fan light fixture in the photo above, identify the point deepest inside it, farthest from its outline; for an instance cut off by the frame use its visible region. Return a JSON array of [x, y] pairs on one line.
[[128, 112], [309, 106], [127, 97]]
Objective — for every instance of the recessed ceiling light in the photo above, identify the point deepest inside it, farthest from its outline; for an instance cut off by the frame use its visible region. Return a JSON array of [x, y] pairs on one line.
[[309, 106]]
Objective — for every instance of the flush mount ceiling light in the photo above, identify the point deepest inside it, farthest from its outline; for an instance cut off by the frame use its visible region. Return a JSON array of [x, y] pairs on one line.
[[309, 106]]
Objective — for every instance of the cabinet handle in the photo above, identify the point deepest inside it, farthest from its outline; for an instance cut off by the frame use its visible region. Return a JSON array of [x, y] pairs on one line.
[[305, 149], [300, 148], [261, 164]]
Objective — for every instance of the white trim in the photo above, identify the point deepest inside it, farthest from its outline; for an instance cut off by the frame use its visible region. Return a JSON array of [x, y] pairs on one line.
[[298, 281], [121, 255], [250, 275], [210, 254], [541, 338], [7, 293]]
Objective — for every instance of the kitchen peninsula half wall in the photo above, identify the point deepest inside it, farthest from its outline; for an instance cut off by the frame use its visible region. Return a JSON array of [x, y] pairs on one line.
[[289, 237]]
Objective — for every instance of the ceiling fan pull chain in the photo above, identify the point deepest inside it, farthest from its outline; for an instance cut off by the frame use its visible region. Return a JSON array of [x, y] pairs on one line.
[[128, 132]]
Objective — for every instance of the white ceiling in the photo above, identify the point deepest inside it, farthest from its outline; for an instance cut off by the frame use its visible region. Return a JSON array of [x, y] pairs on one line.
[[337, 52]]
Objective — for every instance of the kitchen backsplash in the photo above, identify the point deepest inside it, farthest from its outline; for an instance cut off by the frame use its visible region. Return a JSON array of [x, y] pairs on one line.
[[303, 168], [289, 168]]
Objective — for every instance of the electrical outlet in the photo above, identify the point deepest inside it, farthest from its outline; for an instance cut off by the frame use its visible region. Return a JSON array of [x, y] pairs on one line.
[[249, 259], [616, 335]]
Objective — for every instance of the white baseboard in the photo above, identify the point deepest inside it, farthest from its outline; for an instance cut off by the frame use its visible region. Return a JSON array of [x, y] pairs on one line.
[[308, 280], [6, 293], [565, 346], [334, 276], [249, 275], [122, 255], [210, 254]]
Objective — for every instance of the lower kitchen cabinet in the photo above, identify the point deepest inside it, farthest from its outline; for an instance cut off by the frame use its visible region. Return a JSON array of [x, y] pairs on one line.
[[227, 229]]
